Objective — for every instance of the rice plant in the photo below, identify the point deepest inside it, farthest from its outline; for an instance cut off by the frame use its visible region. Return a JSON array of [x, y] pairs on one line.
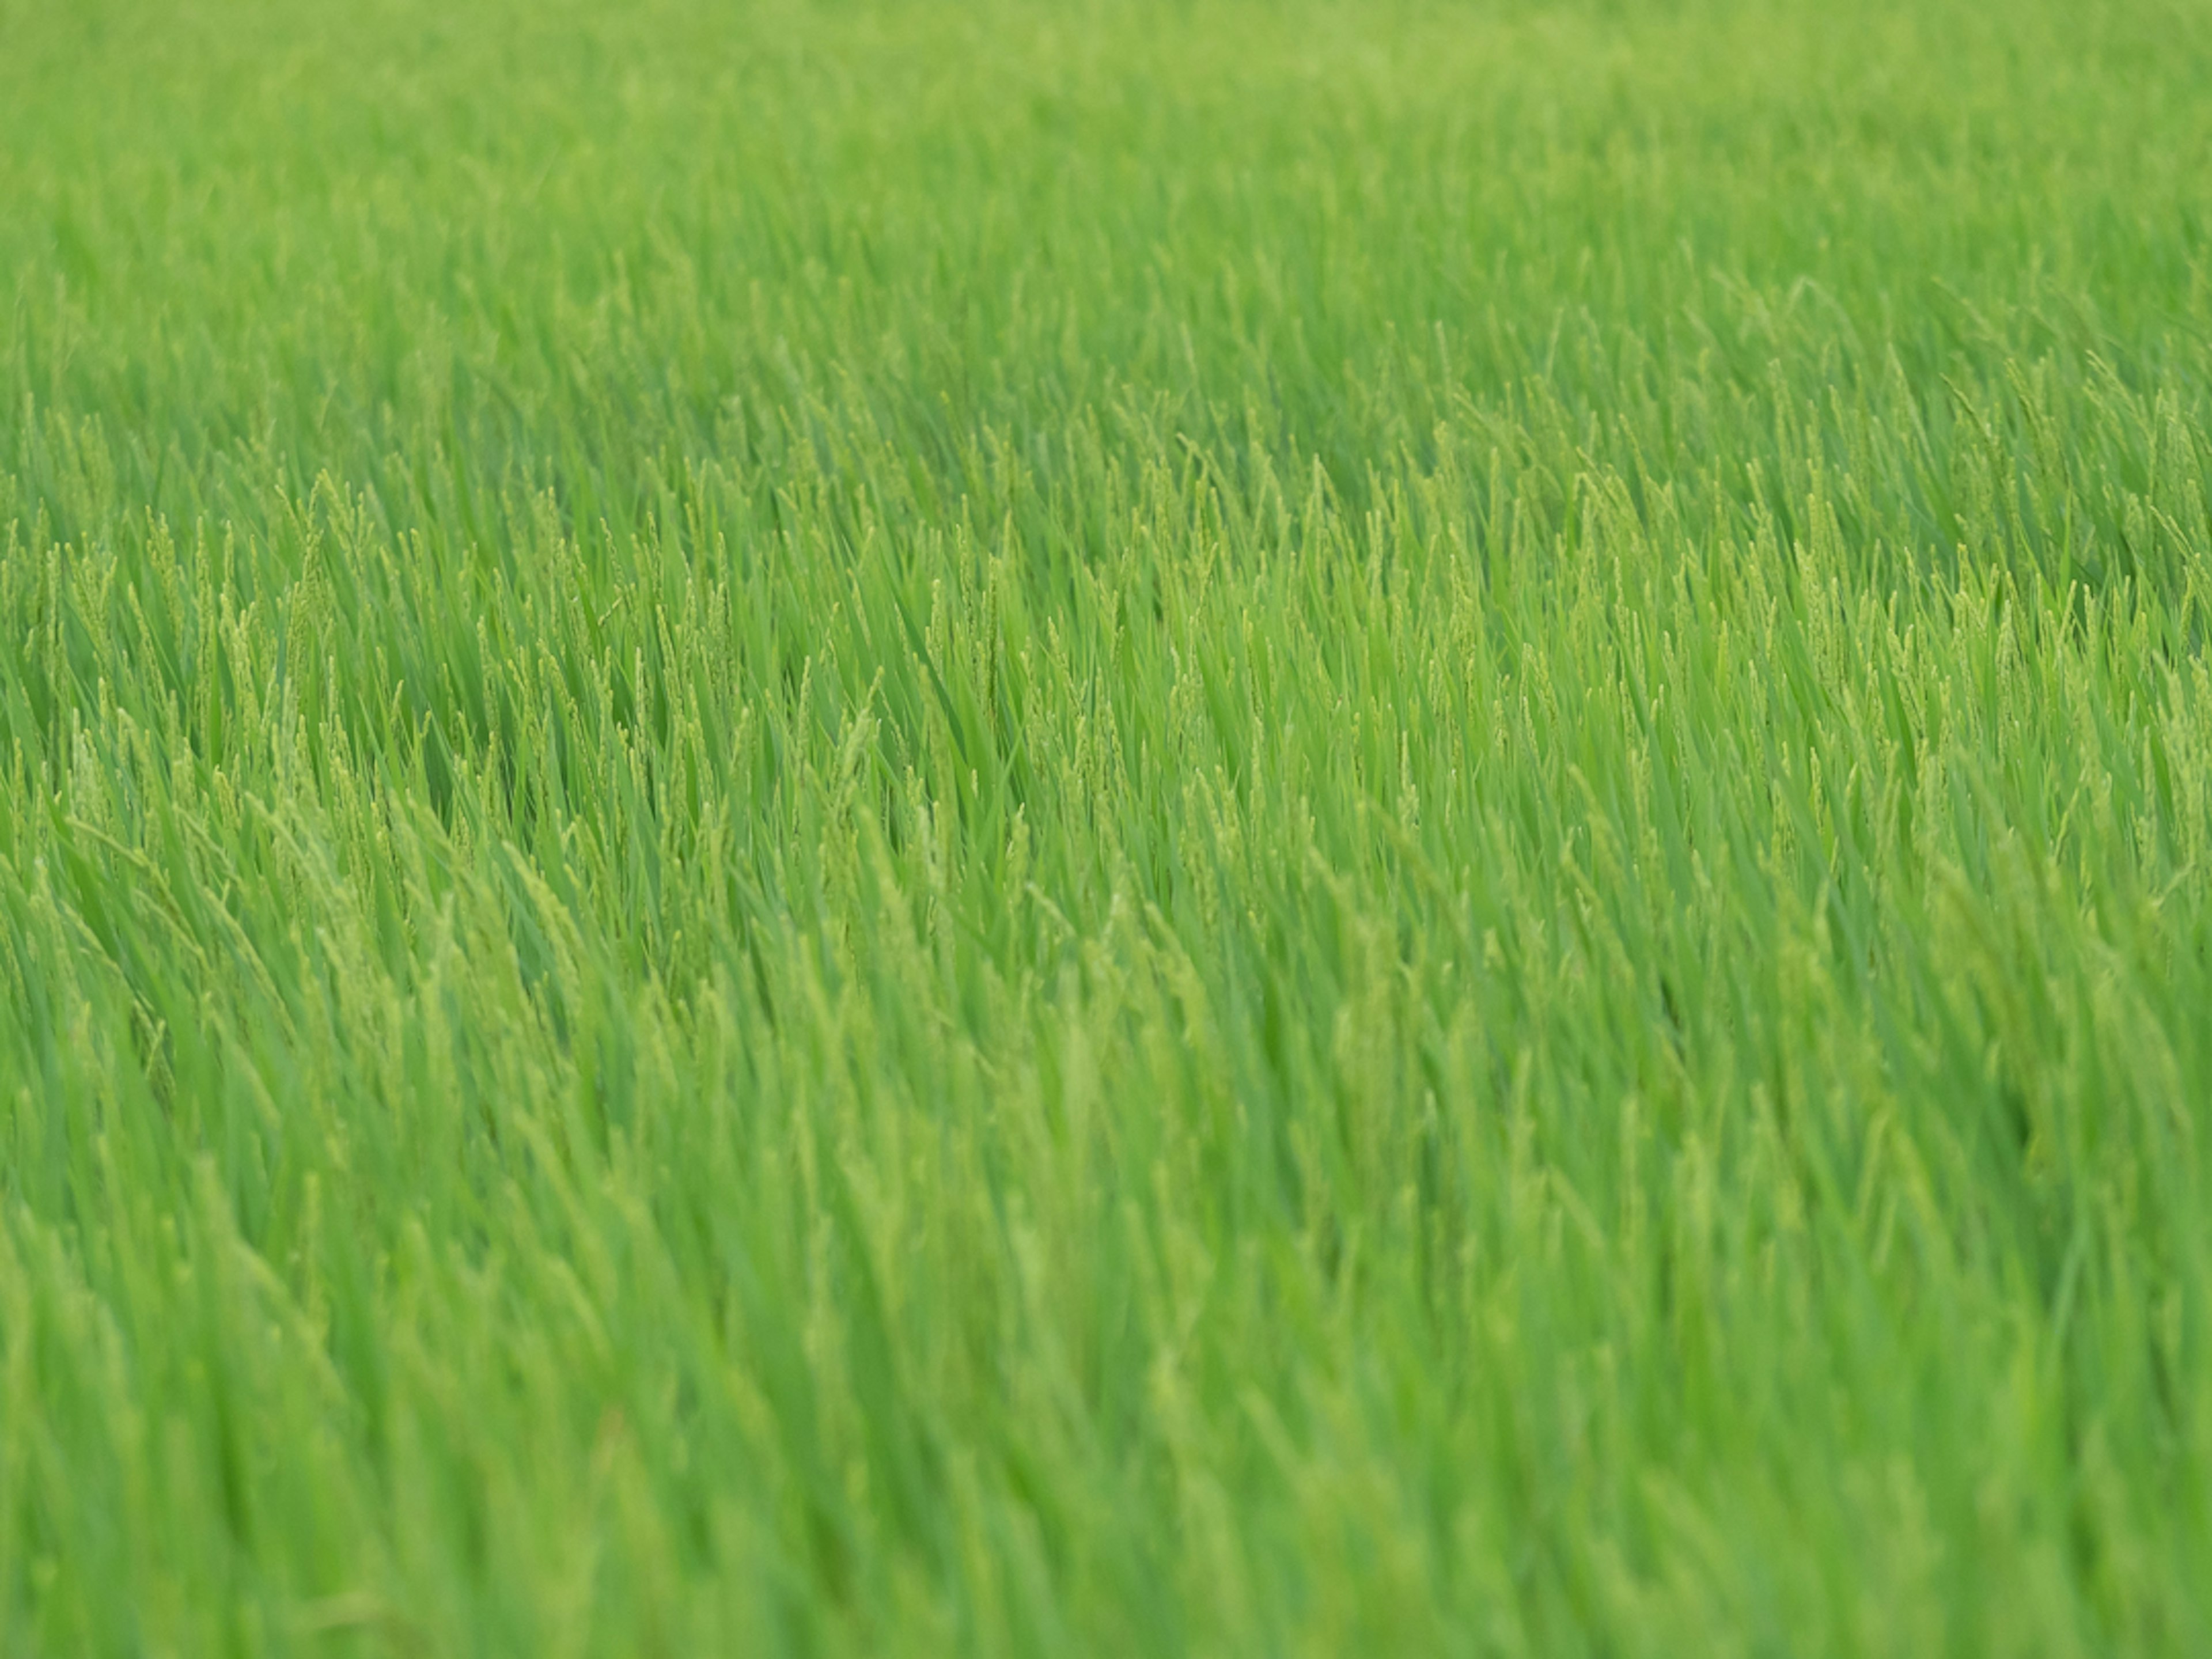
[[1170, 828]]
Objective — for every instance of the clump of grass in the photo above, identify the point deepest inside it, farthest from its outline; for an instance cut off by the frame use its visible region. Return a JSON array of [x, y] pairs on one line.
[[1154, 830]]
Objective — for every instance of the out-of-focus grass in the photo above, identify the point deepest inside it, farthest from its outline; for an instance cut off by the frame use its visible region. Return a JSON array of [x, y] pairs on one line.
[[1170, 828]]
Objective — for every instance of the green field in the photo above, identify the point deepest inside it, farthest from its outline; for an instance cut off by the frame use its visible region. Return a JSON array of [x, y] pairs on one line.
[[1109, 829]]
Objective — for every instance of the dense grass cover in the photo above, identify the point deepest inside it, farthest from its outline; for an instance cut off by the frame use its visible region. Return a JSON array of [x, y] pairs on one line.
[[1138, 829]]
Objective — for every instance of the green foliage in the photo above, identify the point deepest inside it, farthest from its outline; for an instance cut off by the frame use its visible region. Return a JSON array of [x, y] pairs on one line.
[[1167, 829]]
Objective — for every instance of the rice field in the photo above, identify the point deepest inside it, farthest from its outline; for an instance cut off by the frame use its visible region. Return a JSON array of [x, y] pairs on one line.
[[1130, 827]]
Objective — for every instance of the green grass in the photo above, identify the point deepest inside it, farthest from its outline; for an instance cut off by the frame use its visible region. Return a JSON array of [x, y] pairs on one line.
[[1118, 829]]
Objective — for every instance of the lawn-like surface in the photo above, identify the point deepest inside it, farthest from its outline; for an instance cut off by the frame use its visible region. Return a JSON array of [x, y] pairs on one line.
[[1115, 829]]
